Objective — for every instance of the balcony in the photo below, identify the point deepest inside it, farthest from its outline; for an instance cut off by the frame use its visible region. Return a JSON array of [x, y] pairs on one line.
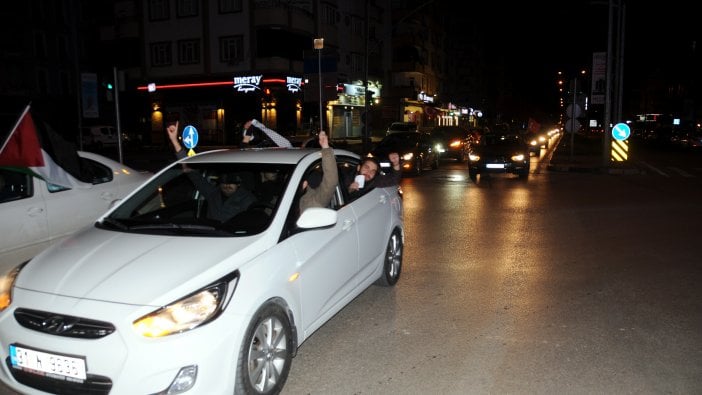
[[279, 64], [292, 18]]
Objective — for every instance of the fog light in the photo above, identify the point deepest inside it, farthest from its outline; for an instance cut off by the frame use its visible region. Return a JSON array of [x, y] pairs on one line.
[[184, 380]]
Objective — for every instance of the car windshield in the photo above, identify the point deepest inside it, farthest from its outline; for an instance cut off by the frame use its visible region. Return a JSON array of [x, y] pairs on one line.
[[399, 140], [449, 133], [403, 127], [500, 140], [208, 199]]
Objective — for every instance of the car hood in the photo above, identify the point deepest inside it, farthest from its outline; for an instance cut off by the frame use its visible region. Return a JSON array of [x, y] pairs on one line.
[[132, 268], [500, 150]]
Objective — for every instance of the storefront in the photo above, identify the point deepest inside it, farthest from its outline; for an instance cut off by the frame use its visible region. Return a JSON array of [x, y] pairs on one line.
[[218, 108], [347, 112]]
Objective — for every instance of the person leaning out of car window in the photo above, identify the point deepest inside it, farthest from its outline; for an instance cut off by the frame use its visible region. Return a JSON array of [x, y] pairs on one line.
[[368, 175], [318, 193], [224, 200]]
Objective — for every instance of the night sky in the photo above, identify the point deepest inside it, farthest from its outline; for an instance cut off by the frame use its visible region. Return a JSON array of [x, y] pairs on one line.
[[537, 40]]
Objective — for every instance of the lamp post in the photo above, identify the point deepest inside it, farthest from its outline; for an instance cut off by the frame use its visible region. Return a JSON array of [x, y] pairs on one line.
[[318, 45]]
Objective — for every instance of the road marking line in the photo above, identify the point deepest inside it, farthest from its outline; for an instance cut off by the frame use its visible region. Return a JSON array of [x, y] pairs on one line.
[[681, 172], [655, 169]]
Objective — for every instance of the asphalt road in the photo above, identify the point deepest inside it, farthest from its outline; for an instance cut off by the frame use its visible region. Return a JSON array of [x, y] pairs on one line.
[[567, 283]]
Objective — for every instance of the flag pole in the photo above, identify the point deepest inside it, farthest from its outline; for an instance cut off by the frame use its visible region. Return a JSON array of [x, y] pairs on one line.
[[4, 143]]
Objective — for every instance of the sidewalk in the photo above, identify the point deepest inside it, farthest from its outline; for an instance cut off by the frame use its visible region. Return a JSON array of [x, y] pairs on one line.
[[585, 156]]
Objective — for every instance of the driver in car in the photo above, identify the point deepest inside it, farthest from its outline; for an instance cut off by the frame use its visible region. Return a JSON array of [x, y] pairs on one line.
[[224, 200]]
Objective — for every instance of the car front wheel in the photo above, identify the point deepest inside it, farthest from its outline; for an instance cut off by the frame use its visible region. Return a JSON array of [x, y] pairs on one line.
[[473, 175], [266, 353], [393, 261]]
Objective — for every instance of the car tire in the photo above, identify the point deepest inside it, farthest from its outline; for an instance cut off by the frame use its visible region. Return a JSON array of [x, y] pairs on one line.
[[392, 265], [418, 167], [473, 175], [266, 353]]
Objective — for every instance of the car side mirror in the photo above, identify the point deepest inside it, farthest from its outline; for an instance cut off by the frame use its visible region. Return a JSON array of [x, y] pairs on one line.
[[316, 217]]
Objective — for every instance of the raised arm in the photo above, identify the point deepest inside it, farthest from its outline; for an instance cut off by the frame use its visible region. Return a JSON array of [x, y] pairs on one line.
[[279, 140]]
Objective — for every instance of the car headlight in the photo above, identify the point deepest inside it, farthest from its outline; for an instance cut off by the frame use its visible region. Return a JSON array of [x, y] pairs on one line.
[[408, 156], [7, 281], [473, 157], [455, 144], [185, 314], [518, 158]]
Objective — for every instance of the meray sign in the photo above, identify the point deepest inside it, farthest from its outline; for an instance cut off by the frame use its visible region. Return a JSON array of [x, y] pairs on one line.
[[247, 83]]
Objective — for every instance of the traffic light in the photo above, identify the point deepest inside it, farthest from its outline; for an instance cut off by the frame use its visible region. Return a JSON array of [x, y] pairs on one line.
[[369, 97], [108, 87]]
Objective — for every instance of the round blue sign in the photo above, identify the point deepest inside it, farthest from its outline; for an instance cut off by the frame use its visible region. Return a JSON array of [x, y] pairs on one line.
[[621, 131], [190, 137]]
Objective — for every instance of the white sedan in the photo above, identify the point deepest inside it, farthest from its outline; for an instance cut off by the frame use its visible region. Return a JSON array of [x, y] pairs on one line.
[[36, 214], [158, 297]]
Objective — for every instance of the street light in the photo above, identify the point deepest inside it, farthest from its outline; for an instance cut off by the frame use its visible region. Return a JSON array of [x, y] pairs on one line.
[[318, 45]]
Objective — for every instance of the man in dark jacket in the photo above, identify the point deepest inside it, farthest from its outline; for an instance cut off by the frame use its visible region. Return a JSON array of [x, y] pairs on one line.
[[224, 200]]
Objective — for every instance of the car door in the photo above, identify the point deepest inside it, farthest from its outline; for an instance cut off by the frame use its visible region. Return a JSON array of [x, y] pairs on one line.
[[328, 264], [24, 219], [372, 212], [71, 209]]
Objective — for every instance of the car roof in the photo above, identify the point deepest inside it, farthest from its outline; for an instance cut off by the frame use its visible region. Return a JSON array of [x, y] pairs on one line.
[[260, 155], [402, 126]]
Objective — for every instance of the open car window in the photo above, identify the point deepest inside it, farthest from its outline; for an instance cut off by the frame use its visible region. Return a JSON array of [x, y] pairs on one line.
[[15, 185]]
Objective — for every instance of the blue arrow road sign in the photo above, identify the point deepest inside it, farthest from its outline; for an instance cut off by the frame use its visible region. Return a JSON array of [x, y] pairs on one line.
[[190, 137], [621, 131]]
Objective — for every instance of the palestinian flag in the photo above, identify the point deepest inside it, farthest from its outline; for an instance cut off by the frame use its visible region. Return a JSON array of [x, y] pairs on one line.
[[41, 151]]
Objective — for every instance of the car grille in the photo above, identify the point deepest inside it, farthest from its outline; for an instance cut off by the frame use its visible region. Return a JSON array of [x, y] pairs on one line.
[[63, 325], [93, 385]]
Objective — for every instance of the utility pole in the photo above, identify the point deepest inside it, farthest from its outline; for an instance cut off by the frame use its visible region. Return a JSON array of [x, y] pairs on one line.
[[366, 120], [614, 77], [117, 115]]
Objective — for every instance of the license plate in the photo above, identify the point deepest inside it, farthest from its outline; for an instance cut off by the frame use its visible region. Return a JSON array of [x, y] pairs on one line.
[[46, 364], [495, 166]]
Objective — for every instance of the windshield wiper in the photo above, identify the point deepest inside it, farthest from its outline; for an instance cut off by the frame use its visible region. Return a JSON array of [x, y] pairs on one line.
[[170, 225]]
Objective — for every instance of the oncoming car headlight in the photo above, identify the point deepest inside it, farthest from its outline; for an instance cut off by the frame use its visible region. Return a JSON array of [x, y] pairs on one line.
[[185, 314], [408, 156], [518, 158]]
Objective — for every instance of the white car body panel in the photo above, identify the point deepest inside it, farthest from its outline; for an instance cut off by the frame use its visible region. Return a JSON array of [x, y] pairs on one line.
[[117, 277], [31, 224]]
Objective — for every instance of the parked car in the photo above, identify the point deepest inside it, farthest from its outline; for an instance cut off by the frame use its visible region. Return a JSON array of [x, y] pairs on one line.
[[453, 142], [417, 151], [694, 140], [36, 214], [498, 153], [98, 137], [402, 127], [156, 297]]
